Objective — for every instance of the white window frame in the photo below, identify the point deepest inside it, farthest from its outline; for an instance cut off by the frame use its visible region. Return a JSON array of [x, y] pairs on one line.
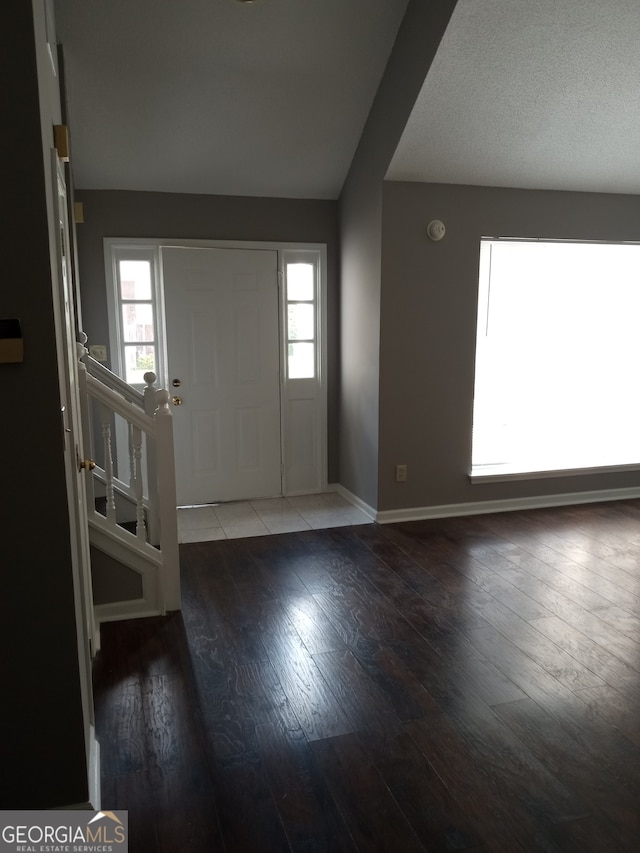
[[123, 250], [315, 386], [116, 249]]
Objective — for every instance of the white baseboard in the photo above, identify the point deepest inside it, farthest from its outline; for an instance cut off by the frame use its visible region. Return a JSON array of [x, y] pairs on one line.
[[508, 505], [353, 499], [95, 792]]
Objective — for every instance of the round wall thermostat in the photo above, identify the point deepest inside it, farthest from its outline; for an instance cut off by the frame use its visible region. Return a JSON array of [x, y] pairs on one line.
[[436, 229]]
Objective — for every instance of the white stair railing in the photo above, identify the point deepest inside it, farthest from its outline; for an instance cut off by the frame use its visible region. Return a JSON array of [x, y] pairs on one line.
[[151, 487]]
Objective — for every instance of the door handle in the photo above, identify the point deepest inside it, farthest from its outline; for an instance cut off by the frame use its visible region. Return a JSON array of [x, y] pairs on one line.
[[177, 401], [86, 465]]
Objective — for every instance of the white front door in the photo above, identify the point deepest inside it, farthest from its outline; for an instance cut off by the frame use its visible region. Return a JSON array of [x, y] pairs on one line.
[[224, 372]]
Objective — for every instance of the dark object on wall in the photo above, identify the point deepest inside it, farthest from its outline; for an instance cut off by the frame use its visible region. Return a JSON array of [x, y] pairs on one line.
[[11, 349]]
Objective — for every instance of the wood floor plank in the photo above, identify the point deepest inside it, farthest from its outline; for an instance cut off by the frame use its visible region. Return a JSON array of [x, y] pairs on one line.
[[570, 709], [307, 810], [373, 817], [453, 684], [311, 699], [121, 714], [134, 792], [484, 798], [535, 645], [609, 667], [613, 706], [548, 741], [249, 818], [364, 704], [438, 818]]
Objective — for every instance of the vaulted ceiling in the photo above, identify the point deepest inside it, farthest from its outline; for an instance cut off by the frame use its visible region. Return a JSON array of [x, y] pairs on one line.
[[269, 98], [219, 96]]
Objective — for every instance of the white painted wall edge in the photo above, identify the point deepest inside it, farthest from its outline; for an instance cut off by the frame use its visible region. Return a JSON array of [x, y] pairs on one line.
[[508, 505]]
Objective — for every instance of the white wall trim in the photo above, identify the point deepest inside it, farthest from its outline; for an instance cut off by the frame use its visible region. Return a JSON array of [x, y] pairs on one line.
[[508, 505], [353, 499], [95, 791]]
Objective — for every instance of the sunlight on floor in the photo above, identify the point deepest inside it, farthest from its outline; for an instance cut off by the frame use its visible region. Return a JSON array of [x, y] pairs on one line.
[[262, 517]]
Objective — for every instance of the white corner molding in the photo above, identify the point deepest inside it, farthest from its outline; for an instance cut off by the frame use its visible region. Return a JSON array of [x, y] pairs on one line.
[[353, 499], [485, 507]]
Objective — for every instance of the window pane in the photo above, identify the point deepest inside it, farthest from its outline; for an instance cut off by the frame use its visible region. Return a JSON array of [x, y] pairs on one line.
[[300, 282], [135, 280], [138, 360], [301, 361], [556, 357], [300, 325], [137, 322]]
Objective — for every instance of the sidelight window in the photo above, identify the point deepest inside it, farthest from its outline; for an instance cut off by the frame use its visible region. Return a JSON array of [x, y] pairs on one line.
[[301, 317], [135, 344]]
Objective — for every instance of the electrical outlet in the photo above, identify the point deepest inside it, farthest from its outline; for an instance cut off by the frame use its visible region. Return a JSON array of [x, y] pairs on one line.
[[98, 351], [401, 473]]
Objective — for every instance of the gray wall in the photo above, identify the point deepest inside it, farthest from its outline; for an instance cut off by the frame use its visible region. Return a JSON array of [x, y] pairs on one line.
[[428, 324], [111, 213], [360, 233], [112, 581], [42, 746]]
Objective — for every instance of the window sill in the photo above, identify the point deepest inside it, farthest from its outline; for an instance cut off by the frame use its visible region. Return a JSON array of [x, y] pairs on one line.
[[502, 473]]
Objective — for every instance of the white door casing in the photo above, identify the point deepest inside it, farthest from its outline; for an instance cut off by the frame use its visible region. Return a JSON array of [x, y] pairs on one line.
[[71, 417], [221, 309], [64, 316], [302, 401]]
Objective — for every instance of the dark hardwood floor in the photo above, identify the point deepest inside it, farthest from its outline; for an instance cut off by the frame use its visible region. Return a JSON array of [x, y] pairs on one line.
[[461, 684]]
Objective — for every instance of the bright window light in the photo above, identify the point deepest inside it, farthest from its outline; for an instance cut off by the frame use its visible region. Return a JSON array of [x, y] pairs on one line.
[[557, 357], [301, 322]]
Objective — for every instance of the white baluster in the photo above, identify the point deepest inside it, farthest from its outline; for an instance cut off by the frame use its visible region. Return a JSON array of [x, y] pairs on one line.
[[141, 527], [108, 463], [132, 461], [150, 406]]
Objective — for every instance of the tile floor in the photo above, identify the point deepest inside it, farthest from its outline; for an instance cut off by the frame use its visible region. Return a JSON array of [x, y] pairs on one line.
[[261, 517]]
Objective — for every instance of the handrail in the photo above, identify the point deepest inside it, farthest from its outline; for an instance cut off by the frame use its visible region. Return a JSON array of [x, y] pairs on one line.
[[112, 380], [120, 405], [152, 469]]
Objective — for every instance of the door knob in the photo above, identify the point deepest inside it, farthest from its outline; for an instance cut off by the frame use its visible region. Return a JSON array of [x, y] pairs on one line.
[[177, 401], [86, 465]]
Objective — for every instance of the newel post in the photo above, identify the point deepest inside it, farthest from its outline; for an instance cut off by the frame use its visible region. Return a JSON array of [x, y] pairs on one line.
[[167, 503], [150, 405]]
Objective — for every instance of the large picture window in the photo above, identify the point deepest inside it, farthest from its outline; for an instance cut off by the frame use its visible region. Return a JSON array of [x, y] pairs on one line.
[[557, 356]]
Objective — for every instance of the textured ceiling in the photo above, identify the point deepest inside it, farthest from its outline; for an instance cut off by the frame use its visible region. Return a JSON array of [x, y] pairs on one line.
[[217, 96], [531, 93], [270, 98]]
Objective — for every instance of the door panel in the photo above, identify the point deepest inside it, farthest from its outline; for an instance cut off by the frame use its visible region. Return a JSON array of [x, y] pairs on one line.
[[223, 347]]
